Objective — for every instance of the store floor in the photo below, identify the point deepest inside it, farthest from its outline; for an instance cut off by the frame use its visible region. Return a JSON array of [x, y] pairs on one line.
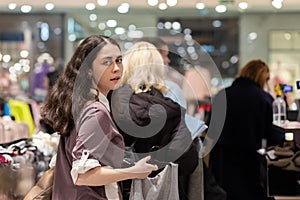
[[287, 198]]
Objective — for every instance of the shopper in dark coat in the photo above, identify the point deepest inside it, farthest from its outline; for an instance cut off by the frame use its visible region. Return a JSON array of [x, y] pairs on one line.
[[236, 164]]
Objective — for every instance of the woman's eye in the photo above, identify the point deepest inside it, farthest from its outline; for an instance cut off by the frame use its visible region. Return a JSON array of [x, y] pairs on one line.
[[107, 62], [119, 60]]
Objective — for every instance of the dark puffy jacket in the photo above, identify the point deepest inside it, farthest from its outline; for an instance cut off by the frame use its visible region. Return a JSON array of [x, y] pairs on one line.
[[156, 126]]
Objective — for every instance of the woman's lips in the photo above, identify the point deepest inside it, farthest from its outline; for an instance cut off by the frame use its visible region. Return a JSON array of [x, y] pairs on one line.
[[115, 79]]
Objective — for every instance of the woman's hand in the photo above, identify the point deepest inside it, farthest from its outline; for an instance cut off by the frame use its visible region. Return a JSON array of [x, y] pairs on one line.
[[99, 176], [142, 169]]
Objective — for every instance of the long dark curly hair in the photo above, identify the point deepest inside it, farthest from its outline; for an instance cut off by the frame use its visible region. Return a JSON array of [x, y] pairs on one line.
[[71, 91]]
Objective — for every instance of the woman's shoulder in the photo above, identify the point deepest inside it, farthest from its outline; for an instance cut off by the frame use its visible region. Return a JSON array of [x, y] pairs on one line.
[[93, 109], [268, 97], [95, 106]]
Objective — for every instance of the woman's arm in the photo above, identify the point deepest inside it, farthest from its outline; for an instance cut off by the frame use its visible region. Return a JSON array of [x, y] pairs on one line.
[[99, 176]]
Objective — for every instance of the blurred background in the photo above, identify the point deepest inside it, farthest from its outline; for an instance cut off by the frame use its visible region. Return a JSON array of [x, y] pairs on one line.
[[231, 32]]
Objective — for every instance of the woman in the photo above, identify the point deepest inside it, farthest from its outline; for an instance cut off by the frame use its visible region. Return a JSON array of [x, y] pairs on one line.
[[236, 164], [174, 92], [90, 151], [150, 122]]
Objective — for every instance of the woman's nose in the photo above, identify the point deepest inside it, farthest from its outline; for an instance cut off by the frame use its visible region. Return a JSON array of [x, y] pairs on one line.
[[116, 67]]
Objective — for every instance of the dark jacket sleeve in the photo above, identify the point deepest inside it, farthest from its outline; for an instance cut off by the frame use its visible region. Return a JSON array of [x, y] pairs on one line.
[[182, 142]]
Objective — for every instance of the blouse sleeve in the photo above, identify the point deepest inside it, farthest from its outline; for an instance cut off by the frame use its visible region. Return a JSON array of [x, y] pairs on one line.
[[97, 141]]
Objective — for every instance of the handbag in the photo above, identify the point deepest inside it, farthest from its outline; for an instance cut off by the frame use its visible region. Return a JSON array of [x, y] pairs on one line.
[[42, 190], [163, 186]]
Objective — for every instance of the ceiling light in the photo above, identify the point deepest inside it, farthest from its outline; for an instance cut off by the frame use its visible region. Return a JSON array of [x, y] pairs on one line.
[[72, 37], [93, 17], [57, 31], [107, 32], [187, 37], [172, 2], [26, 68], [49, 6], [152, 2], [176, 25], [252, 36], [17, 66], [234, 59], [12, 70], [221, 8], [119, 30], [111, 23], [101, 26], [162, 6], [12, 6], [217, 23], [168, 25], [200, 6], [135, 34], [26, 8], [25, 61], [44, 31], [102, 2], [160, 25], [123, 8], [277, 3], [90, 6], [6, 58], [287, 36], [187, 31], [131, 27], [243, 5]]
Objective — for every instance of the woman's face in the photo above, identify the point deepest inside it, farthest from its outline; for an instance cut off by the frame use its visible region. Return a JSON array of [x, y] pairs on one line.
[[107, 68]]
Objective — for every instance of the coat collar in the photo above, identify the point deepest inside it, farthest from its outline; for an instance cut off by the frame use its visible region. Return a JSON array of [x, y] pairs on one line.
[[102, 98]]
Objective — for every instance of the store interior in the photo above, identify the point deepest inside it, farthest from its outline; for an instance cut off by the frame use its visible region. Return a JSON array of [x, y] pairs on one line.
[[217, 37]]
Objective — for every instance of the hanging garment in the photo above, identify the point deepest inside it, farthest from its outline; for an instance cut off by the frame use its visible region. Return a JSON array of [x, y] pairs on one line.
[[21, 111], [164, 186], [11, 130]]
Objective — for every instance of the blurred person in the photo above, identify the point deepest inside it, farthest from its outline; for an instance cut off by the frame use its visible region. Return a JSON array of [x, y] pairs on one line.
[[196, 89], [173, 80], [163, 48], [236, 164], [5, 83], [51, 78], [90, 151], [153, 123], [38, 88], [174, 91]]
